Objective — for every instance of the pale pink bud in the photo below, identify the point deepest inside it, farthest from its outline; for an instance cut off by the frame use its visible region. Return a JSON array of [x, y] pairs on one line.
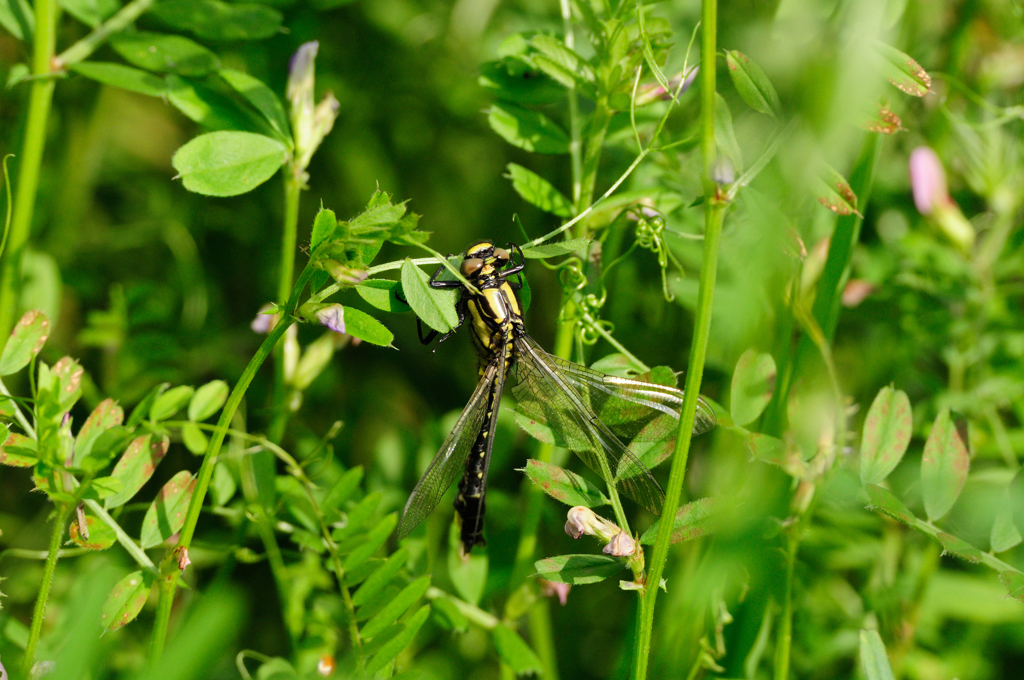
[[621, 545], [264, 323], [553, 589], [928, 180]]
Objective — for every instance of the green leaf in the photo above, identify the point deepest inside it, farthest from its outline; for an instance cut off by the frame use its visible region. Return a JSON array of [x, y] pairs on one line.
[[564, 485], [215, 20], [394, 609], [383, 294], [958, 547], [393, 647], [469, 574], [435, 307], [752, 384], [376, 581], [578, 569], [835, 193], [100, 535], [883, 500], [513, 80], [164, 53], [752, 84], [228, 163], [323, 227], [261, 97], [141, 410], [207, 400], [693, 520], [91, 12], [887, 431], [17, 450], [136, 466], [514, 651], [124, 77], [873, 659], [1014, 582], [538, 191], [944, 465], [170, 402], [341, 491], [106, 415], [193, 438], [375, 538], [166, 514], [358, 516], [210, 107], [527, 129], [107, 446], [18, 18], [27, 338], [448, 616], [725, 135], [555, 249], [361, 325], [904, 72], [102, 487], [223, 485], [126, 599]]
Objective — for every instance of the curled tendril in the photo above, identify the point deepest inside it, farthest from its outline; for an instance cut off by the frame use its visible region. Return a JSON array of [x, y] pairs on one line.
[[650, 230], [588, 321]]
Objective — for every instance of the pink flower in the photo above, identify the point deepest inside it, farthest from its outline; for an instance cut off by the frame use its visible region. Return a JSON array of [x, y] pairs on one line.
[[550, 588], [928, 180]]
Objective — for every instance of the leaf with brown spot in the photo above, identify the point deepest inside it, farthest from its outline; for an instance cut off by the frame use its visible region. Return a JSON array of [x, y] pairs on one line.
[[944, 465], [105, 416], [958, 547], [126, 599], [884, 122], [68, 375], [100, 536], [883, 500], [166, 514], [17, 449], [136, 467], [563, 485], [887, 432], [27, 338], [903, 72], [835, 193]]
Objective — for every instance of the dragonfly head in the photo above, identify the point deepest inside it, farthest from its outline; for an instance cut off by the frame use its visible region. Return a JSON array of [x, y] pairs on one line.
[[483, 260]]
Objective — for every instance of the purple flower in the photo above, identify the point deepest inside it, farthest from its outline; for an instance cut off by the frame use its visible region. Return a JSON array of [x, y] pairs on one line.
[[333, 317], [300, 69]]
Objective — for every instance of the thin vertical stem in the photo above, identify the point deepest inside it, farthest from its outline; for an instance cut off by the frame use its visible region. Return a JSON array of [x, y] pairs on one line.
[[714, 207], [286, 272], [575, 134], [40, 99], [56, 538], [784, 637]]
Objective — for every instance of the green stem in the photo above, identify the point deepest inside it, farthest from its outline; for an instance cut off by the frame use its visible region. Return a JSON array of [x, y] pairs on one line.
[[56, 538], [784, 637], [575, 135], [292, 192], [115, 24], [473, 613], [40, 100], [714, 208], [598, 128]]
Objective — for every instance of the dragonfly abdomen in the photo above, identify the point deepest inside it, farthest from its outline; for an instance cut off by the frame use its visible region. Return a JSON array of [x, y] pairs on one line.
[[470, 503]]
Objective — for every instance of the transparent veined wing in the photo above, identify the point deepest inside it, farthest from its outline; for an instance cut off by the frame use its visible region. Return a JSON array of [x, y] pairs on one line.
[[546, 393], [450, 460]]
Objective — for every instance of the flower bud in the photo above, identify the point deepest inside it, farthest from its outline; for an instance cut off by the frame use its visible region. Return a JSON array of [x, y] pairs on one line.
[[621, 545], [333, 317], [582, 520], [928, 180], [264, 323], [551, 588], [310, 123], [647, 94]]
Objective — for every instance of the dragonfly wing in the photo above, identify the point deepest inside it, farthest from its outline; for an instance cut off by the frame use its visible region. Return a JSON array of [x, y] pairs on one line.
[[450, 459], [546, 393]]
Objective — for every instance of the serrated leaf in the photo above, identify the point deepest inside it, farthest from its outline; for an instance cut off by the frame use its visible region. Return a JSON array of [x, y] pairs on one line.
[[393, 647], [207, 400], [693, 520], [214, 20], [170, 402], [361, 325], [944, 465], [469, 575], [887, 431], [124, 77], [380, 578], [752, 84], [228, 163], [904, 72], [166, 514], [164, 53], [514, 651], [958, 547], [527, 129], [873, 658], [136, 467], [100, 536], [260, 96], [1014, 582], [564, 485], [394, 609], [752, 384], [538, 191], [17, 450], [26, 339], [555, 249], [835, 193], [323, 227], [883, 500], [435, 307], [126, 599], [383, 294], [578, 569], [106, 415]]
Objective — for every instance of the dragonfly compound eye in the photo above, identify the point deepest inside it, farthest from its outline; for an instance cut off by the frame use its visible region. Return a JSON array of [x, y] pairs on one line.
[[501, 255], [471, 265]]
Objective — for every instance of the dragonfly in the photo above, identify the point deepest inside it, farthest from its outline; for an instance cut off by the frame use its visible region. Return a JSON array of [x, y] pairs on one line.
[[588, 412]]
